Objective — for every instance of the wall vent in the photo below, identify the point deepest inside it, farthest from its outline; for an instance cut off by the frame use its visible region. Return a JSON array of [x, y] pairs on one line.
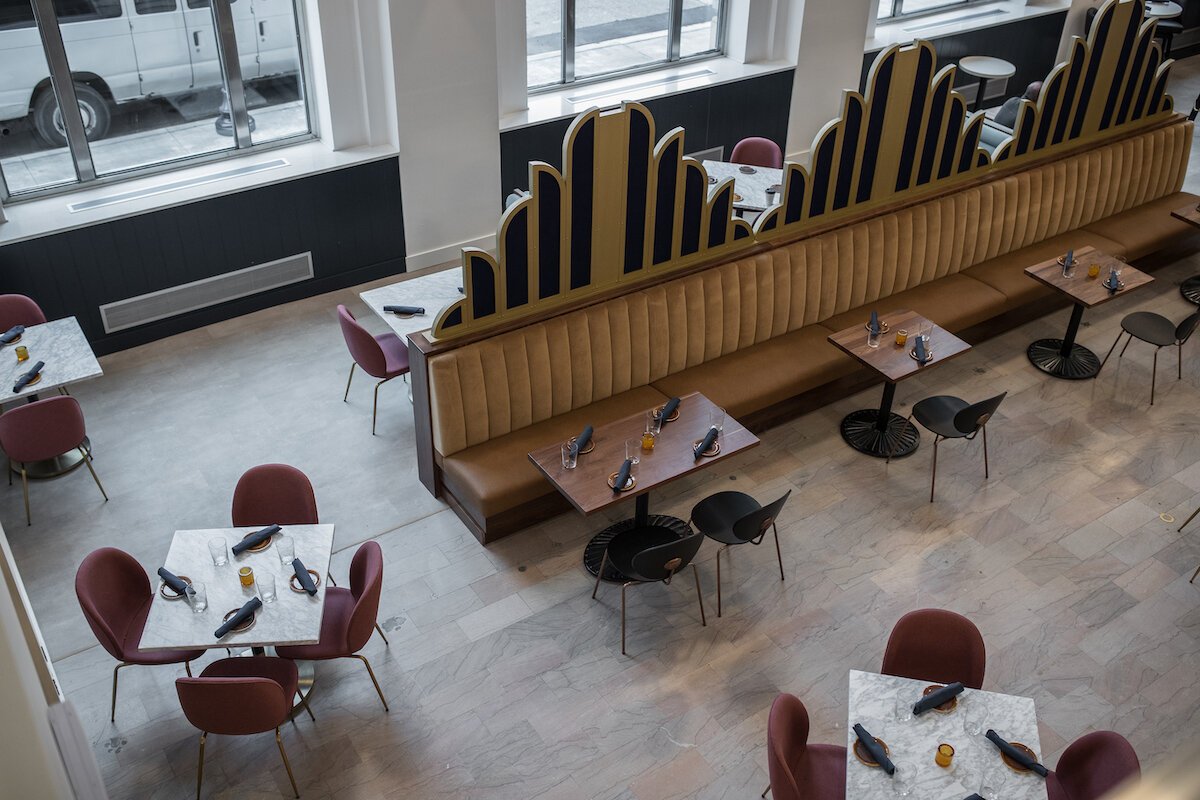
[[177, 300]]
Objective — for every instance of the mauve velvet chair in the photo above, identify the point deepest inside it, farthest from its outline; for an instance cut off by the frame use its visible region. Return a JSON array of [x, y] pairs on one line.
[[384, 356], [115, 593], [799, 770], [274, 494], [240, 697], [349, 615], [936, 645], [1092, 766], [17, 309], [42, 430], [757, 151]]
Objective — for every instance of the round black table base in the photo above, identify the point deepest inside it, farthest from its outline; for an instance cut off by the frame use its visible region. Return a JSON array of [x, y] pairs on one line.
[[594, 552], [901, 438], [1190, 289], [1081, 364]]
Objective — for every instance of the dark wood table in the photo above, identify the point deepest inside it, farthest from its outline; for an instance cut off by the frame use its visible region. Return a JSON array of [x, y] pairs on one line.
[[1063, 358], [881, 432], [1190, 288], [586, 486]]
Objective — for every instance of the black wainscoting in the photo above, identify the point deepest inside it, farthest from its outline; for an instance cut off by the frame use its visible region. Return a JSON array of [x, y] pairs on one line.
[[350, 219], [712, 116], [1030, 44]]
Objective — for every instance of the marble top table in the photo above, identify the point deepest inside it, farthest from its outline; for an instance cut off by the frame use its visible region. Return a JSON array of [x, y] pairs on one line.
[[1163, 10], [433, 292], [62, 345], [294, 618], [752, 187], [872, 703]]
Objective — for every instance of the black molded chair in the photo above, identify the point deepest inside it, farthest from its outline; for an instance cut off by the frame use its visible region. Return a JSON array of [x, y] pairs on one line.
[[647, 555], [736, 518], [949, 417], [1157, 330]]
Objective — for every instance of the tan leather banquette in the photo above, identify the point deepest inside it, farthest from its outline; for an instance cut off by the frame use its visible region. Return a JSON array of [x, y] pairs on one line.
[[751, 334]]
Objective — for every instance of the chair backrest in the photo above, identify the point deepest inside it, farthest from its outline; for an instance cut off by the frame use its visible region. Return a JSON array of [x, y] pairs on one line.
[[936, 645], [1185, 329], [274, 494], [233, 706], [757, 523], [366, 583], [112, 589], [1089, 19], [514, 197], [363, 348], [17, 309], [1095, 764], [662, 561], [787, 741], [42, 429], [976, 415], [757, 151]]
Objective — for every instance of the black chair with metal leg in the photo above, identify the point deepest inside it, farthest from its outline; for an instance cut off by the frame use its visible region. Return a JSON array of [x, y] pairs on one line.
[[649, 555], [731, 518], [949, 417], [1159, 331]]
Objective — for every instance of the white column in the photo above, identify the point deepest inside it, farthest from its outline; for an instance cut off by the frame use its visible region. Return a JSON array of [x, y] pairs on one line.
[[512, 68]]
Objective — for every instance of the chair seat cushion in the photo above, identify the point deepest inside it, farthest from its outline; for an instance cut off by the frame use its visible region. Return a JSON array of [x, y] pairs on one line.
[[339, 606], [716, 514], [821, 773], [395, 351], [759, 376], [954, 302], [1143, 229], [1006, 273], [937, 414], [280, 670], [497, 475], [148, 658], [1150, 327]]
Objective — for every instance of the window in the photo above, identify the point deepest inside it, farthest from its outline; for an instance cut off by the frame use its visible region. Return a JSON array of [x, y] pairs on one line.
[[889, 9], [577, 40], [157, 92]]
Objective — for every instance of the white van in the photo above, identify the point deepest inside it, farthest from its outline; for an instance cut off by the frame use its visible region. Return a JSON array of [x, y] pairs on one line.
[[122, 50]]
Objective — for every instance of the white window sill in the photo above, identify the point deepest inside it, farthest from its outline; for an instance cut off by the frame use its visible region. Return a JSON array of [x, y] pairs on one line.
[[48, 215], [558, 104], [959, 20]]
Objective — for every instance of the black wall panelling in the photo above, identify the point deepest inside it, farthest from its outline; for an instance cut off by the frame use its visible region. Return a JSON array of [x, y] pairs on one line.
[[712, 116], [350, 219]]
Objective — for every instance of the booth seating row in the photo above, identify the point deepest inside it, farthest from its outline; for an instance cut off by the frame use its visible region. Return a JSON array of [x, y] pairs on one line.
[[751, 334]]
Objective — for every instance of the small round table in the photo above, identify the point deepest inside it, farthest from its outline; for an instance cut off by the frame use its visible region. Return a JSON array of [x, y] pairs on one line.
[[985, 68], [1163, 9]]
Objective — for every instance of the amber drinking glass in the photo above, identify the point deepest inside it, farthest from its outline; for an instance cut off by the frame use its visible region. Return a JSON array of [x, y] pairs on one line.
[[22, 353], [944, 755], [246, 576]]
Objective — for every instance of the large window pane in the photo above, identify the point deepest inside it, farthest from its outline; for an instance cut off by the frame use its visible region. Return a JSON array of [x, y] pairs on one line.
[[701, 27], [277, 97], [543, 41], [613, 35]]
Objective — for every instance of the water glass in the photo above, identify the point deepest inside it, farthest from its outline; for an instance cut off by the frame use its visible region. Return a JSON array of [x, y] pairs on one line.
[[198, 598], [872, 338], [633, 449], [903, 783], [716, 418], [975, 715], [926, 330], [903, 711], [570, 456], [266, 588], [653, 423], [285, 547], [219, 550]]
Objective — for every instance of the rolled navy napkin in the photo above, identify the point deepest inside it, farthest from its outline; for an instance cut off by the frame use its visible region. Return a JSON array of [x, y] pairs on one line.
[[623, 475], [1015, 754], [404, 309], [975, 796], [1070, 258], [302, 575], [1113, 283], [255, 539], [12, 333], [243, 614], [872, 746], [935, 699], [460, 290], [709, 438], [581, 441], [919, 350], [668, 410], [177, 584], [28, 377], [874, 324]]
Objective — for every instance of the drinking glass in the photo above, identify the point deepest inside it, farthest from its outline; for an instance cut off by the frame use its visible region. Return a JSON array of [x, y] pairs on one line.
[[219, 550], [1094, 271], [285, 547], [944, 755], [266, 588], [901, 337], [653, 423], [22, 353], [975, 715], [198, 598], [246, 576], [872, 339], [926, 330], [716, 418], [648, 441], [633, 449], [570, 455], [903, 711], [902, 780]]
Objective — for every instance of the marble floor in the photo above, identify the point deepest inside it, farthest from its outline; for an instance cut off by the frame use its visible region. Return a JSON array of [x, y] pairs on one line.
[[505, 678]]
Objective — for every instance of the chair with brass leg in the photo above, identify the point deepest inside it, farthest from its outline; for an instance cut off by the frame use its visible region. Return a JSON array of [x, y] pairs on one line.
[[349, 616], [1155, 329], [40, 431], [384, 356], [949, 417], [649, 555], [799, 769], [114, 593], [240, 697], [731, 518]]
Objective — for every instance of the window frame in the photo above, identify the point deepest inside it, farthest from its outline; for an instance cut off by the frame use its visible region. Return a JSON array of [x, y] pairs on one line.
[[898, 12]]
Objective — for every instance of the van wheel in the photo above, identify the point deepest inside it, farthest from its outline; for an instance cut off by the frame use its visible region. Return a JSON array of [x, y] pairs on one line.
[[47, 119]]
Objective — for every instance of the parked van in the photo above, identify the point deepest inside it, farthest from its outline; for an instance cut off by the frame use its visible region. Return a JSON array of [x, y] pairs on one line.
[[123, 50]]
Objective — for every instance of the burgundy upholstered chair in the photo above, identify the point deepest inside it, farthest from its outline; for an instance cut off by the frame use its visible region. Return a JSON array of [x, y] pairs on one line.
[[42, 430], [17, 309], [1092, 766], [384, 356], [799, 770], [274, 494], [115, 593], [240, 697], [349, 615], [932, 644], [758, 152]]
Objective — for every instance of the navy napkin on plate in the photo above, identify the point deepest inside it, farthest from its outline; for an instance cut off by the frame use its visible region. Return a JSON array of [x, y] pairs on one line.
[[709, 438], [873, 747], [404, 309], [244, 613], [581, 441], [255, 539], [1015, 754], [12, 333], [668, 410], [28, 377], [623, 475], [935, 699], [1069, 259], [1113, 283], [177, 584], [874, 324], [919, 350], [302, 575]]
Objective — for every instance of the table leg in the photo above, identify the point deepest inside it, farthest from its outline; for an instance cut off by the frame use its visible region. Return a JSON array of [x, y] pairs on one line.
[[1062, 358], [307, 671], [59, 465], [880, 432], [641, 520], [1190, 289], [979, 94]]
